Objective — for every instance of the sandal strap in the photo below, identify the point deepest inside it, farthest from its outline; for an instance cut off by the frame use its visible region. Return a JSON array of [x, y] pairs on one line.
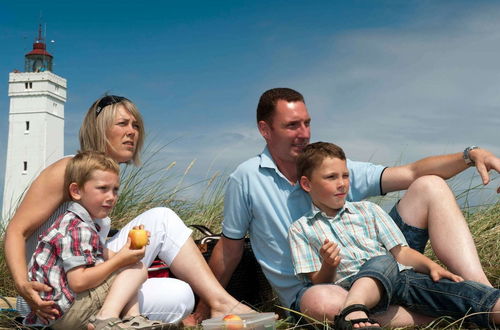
[[354, 308], [107, 324], [340, 323], [143, 322]]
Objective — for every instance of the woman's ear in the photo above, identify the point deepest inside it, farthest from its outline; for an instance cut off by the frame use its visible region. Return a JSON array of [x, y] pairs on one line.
[[305, 183], [264, 129], [74, 191]]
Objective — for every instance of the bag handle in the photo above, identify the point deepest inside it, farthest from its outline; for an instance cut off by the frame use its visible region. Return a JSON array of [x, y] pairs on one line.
[[207, 239], [203, 229]]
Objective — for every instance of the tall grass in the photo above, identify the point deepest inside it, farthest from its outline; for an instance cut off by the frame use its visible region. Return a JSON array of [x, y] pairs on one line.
[[158, 183]]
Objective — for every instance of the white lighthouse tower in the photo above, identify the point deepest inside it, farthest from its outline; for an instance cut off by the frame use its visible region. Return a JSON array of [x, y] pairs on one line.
[[36, 123]]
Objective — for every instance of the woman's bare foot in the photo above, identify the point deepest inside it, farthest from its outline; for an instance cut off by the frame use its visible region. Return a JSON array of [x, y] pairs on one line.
[[230, 307]]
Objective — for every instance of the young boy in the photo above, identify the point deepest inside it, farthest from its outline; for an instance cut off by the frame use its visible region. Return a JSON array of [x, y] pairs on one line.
[[91, 285], [358, 247]]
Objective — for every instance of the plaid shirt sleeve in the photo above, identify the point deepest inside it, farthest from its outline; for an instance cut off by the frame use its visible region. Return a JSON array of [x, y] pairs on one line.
[[388, 232], [79, 246], [305, 257]]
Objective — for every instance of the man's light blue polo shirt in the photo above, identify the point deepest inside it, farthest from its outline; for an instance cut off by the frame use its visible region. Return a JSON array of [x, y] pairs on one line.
[[260, 201]]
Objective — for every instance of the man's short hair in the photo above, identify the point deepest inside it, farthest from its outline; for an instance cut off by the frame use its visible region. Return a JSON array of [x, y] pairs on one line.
[[268, 100], [313, 155], [84, 163]]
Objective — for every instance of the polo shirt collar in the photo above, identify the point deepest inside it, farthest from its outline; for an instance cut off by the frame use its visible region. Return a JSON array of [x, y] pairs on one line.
[[82, 213], [267, 161]]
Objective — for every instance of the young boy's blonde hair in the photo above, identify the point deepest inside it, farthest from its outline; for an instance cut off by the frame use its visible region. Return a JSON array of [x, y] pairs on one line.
[[81, 167], [313, 155]]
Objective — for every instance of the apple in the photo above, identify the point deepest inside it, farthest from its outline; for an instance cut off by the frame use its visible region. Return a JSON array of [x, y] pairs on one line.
[[233, 321], [138, 238]]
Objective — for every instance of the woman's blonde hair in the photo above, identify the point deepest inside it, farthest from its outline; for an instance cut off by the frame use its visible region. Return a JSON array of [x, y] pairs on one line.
[[100, 118]]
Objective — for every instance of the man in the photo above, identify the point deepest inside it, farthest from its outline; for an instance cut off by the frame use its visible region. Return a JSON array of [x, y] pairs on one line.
[[263, 199]]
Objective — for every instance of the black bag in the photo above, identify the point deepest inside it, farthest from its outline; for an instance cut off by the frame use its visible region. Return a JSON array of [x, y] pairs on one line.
[[248, 283]]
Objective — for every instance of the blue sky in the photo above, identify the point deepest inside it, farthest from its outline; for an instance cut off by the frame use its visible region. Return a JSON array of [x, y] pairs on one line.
[[390, 81]]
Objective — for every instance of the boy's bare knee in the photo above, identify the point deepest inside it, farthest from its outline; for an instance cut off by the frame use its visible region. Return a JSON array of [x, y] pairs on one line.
[[144, 270]]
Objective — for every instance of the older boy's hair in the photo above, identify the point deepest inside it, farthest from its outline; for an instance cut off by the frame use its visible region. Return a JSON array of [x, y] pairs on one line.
[[313, 156], [81, 166], [268, 100]]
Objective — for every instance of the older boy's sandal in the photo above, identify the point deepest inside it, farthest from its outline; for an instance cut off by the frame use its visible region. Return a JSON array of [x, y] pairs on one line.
[[340, 323]]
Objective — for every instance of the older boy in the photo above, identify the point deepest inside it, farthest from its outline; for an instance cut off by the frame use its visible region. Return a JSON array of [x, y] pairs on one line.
[[90, 284], [358, 247]]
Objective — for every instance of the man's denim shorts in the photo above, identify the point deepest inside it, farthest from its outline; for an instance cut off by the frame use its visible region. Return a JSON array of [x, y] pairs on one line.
[[416, 237], [296, 303]]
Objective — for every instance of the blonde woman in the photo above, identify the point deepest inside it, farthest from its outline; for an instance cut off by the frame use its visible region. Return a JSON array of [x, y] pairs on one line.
[[114, 125]]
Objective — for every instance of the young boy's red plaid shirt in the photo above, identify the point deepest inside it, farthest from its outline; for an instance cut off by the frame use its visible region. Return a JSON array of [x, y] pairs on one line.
[[72, 241]]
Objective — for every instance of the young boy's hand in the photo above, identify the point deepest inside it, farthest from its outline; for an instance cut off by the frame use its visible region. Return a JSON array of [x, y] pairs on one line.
[[130, 256], [437, 273], [329, 252]]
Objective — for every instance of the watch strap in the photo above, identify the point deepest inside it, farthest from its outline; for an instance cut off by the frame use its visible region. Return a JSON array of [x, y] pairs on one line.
[[466, 155]]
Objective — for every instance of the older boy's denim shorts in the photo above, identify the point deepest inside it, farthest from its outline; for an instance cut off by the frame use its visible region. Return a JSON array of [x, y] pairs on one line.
[[416, 237], [419, 293]]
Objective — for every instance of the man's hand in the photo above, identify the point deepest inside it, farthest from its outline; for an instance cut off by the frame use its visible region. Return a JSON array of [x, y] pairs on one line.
[[329, 252], [485, 161], [43, 309], [438, 272]]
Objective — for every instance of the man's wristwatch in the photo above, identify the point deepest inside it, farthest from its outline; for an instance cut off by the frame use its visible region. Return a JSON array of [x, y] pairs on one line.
[[466, 155]]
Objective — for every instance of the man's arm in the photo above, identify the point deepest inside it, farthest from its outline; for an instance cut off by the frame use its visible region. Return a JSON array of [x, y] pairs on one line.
[[226, 256], [445, 166]]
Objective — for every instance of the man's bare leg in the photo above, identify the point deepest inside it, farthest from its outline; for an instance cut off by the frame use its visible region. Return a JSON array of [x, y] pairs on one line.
[[429, 203], [323, 302]]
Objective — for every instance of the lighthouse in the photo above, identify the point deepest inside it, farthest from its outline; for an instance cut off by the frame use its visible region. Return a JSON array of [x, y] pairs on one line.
[[36, 123]]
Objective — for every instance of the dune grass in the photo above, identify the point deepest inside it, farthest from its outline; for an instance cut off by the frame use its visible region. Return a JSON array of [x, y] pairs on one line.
[[157, 183]]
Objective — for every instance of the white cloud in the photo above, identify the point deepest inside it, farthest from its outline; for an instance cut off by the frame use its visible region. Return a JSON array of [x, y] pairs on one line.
[[413, 89]]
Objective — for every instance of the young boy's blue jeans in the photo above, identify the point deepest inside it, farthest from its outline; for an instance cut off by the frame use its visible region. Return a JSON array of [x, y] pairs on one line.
[[418, 292]]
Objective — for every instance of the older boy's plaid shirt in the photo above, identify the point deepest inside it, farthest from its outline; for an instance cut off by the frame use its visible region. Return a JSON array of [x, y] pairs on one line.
[[71, 241], [362, 231]]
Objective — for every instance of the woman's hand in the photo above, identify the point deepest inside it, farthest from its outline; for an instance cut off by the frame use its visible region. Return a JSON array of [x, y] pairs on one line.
[[43, 309]]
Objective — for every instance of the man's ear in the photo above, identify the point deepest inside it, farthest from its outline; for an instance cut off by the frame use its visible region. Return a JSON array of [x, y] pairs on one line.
[[305, 183], [264, 129], [74, 191]]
